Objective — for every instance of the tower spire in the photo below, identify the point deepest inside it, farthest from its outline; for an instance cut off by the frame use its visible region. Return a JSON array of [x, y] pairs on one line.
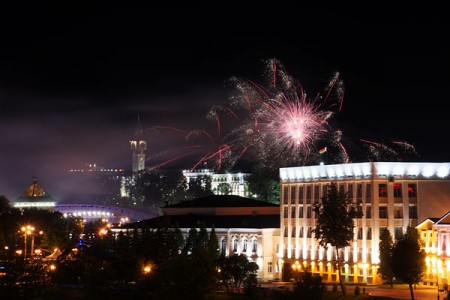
[[138, 147]]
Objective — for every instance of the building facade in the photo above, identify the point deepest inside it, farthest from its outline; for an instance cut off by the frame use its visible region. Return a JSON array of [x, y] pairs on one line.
[[235, 183], [242, 225], [435, 235], [394, 195]]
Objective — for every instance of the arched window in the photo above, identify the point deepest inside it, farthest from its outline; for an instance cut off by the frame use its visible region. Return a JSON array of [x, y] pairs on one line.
[[244, 245], [235, 245], [223, 247], [254, 245]]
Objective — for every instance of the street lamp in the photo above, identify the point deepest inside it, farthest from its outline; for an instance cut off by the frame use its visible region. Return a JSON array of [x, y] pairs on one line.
[[27, 230], [147, 269]]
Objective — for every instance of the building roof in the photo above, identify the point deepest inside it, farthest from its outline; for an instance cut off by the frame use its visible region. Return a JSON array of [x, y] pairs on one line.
[[35, 193], [445, 220], [195, 221], [366, 169], [222, 201]]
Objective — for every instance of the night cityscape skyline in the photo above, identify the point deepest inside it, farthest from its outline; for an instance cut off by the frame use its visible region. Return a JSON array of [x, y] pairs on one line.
[[72, 94]]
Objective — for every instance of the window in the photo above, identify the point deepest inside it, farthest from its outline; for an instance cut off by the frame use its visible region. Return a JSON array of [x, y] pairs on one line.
[[369, 233], [269, 267], [293, 231], [223, 247], [286, 232], [382, 190], [293, 194], [350, 190], [368, 191], [412, 190], [359, 191], [286, 212], [254, 245], [300, 212], [244, 245], [309, 231], [235, 245], [342, 188], [398, 232], [398, 212], [360, 235], [300, 194], [301, 232], [368, 211], [285, 194], [308, 194], [413, 212], [308, 212], [383, 212], [293, 212], [397, 190], [316, 193]]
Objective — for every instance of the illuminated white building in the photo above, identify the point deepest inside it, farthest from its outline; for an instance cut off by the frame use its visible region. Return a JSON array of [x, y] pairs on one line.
[[435, 235], [394, 195], [236, 183], [242, 225]]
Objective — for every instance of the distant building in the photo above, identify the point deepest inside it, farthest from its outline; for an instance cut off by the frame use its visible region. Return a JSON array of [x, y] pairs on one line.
[[394, 195], [242, 225], [235, 183], [35, 197]]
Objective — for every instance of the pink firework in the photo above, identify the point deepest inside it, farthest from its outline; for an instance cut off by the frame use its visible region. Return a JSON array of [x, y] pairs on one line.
[[278, 122]]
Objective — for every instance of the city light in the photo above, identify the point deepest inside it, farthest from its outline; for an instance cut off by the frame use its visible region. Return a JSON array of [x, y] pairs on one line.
[[147, 269]]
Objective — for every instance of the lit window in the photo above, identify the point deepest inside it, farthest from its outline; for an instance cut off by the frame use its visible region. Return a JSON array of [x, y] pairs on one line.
[[269, 267], [244, 245], [255, 245]]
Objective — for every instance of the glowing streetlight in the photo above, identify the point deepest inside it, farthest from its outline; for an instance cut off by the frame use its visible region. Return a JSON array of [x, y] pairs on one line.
[[27, 230], [296, 267], [147, 269]]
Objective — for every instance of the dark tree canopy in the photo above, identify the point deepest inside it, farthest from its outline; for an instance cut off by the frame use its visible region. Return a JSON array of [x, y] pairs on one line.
[[335, 218], [386, 246], [335, 222], [408, 259]]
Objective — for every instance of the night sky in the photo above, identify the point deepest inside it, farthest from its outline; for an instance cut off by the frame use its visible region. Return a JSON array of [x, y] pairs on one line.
[[74, 79]]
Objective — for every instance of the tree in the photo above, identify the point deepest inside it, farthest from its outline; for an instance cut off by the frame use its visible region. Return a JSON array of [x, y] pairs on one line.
[[4, 205], [386, 246], [335, 222], [199, 187], [235, 270], [408, 259], [223, 188], [309, 287], [265, 185]]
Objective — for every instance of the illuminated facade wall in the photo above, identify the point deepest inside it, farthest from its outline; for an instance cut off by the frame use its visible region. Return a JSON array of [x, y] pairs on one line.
[[259, 245], [393, 196], [236, 181], [435, 235]]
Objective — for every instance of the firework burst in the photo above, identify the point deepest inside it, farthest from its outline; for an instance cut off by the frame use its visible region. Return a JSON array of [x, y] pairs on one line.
[[277, 124]]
